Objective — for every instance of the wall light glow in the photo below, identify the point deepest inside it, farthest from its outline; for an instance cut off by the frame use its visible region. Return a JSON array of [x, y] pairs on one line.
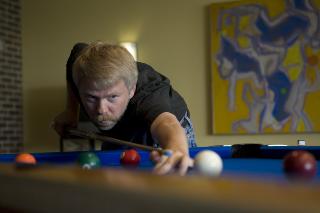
[[131, 47]]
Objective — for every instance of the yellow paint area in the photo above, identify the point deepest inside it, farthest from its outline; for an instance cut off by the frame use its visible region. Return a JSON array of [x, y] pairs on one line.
[[293, 61]]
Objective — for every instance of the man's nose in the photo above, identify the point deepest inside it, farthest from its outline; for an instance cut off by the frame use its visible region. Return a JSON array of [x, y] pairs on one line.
[[102, 106]]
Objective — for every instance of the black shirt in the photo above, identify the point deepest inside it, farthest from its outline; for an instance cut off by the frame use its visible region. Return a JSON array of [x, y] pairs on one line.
[[153, 96]]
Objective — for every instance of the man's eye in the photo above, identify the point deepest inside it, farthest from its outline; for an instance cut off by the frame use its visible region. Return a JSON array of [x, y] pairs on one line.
[[91, 99], [113, 97]]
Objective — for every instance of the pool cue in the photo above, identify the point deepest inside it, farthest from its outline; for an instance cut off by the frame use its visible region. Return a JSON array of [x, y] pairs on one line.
[[94, 136]]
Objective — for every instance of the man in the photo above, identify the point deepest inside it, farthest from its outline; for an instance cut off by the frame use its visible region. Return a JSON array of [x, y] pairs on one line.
[[127, 100]]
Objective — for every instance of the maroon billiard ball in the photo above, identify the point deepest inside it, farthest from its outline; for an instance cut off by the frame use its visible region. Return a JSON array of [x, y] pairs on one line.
[[300, 165], [130, 158]]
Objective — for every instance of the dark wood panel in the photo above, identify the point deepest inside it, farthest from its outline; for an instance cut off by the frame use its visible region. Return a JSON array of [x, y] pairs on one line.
[[61, 189]]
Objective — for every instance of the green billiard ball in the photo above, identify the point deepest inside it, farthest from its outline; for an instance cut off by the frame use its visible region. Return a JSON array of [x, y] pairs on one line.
[[89, 160]]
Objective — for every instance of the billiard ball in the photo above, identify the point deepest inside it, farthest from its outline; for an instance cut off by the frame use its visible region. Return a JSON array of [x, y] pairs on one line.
[[25, 159], [300, 165], [208, 163], [89, 160], [130, 158]]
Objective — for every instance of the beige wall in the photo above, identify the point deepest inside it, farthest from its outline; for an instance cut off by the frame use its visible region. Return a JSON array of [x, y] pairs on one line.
[[172, 36]]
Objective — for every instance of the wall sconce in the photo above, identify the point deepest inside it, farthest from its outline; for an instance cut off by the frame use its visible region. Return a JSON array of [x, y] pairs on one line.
[[131, 47]]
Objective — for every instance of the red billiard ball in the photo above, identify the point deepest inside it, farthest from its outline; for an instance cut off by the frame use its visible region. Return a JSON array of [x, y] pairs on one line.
[[25, 159], [300, 165], [130, 158]]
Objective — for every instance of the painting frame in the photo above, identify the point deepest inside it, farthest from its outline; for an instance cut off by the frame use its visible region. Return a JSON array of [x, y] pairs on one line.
[[265, 66]]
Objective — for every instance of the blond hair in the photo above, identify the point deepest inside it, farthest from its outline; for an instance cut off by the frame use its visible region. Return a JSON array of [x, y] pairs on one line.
[[105, 64]]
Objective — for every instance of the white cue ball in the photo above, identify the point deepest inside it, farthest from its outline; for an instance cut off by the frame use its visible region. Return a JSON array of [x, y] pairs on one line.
[[208, 163]]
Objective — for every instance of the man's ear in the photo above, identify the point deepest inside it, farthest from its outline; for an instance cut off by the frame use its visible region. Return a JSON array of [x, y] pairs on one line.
[[132, 91]]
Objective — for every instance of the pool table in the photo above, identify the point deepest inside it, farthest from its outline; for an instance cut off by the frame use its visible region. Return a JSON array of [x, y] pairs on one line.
[[252, 180]]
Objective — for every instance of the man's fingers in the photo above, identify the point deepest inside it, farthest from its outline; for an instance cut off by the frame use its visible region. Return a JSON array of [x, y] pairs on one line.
[[184, 165], [155, 156], [168, 164], [163, 159]]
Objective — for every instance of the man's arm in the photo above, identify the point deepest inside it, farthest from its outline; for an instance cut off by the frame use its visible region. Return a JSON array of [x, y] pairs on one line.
[[69, 117], [72, 105], [167, 130]]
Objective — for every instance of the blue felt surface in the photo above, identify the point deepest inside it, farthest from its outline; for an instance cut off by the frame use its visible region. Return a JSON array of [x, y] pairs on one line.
[[269, 167]]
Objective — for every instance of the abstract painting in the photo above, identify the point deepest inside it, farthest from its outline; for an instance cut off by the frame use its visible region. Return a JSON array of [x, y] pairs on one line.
[[265, 66]]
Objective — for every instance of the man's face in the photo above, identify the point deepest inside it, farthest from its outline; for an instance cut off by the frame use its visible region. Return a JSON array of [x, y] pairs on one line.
[[106, 106]]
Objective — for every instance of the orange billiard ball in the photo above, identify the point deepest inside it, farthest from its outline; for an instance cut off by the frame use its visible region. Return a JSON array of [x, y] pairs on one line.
[[25, 159]]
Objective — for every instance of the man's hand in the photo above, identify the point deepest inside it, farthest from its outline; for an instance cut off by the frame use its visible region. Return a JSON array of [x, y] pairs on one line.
[[171, 162], [63, 121], [166, 129]]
